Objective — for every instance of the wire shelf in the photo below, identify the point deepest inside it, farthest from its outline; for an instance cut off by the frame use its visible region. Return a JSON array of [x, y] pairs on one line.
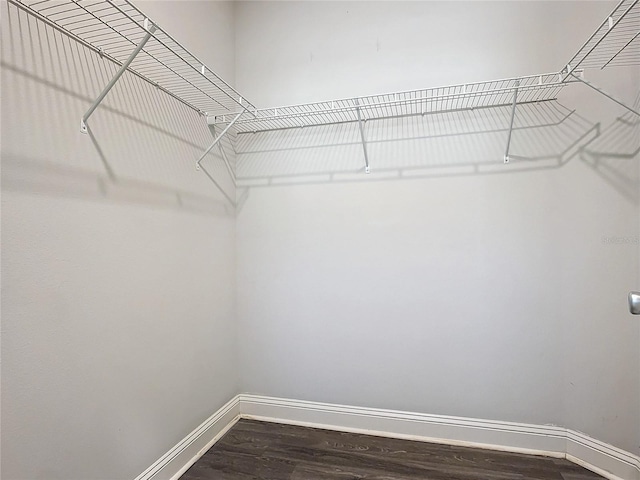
[[117, 30], [114, 28], [616, 42], [450, 98]]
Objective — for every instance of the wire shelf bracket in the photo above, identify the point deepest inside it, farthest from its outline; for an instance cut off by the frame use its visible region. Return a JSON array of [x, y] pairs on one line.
[[150, 28], [600, 91], [216, 141], [513, 116], [212, 127], [364, 142]]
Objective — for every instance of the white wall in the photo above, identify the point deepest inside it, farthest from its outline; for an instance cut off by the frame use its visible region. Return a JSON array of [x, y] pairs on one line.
[[462, 289], [599, 197], [118, 333]]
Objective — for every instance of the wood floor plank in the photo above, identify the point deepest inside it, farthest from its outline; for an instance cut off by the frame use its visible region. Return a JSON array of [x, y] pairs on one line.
[[254, 450]]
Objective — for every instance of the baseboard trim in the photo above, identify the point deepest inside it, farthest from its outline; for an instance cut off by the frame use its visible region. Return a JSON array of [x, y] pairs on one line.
[[523, 438], [549, 440], [186, 452], [604, 459]]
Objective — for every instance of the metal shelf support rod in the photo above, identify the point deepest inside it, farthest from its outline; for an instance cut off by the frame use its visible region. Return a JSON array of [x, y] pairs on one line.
[[513, 115], [212, 127], [602, 92], [364, 143], [150, 28], [219, 137]]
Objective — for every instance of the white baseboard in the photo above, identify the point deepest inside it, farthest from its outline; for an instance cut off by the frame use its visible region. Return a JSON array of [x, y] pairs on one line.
[[532, 439], [177, 460], [604, 459], [549, 440]]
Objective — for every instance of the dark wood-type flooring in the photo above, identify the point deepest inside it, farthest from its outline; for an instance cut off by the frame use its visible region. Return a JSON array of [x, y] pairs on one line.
[[254, 450]]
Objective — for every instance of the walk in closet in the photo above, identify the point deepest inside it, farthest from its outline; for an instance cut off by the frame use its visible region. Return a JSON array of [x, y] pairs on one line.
[[415, 220]]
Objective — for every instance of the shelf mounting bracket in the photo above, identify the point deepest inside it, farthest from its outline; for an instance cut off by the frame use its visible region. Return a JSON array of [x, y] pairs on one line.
[[212, 127], [219, 137], [602, 92], [150, 28], [216, 141], [513, 115], [364, 142]]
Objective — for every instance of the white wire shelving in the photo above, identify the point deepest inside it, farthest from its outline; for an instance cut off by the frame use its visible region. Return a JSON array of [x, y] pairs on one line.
[[616, 42], [122, 33], [469, 96], [115, 28], [451, 98]]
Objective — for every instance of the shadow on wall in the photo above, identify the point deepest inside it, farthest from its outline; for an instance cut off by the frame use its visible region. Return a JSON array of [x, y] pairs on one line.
[[546, 135], [613, 154], [142, 144]]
